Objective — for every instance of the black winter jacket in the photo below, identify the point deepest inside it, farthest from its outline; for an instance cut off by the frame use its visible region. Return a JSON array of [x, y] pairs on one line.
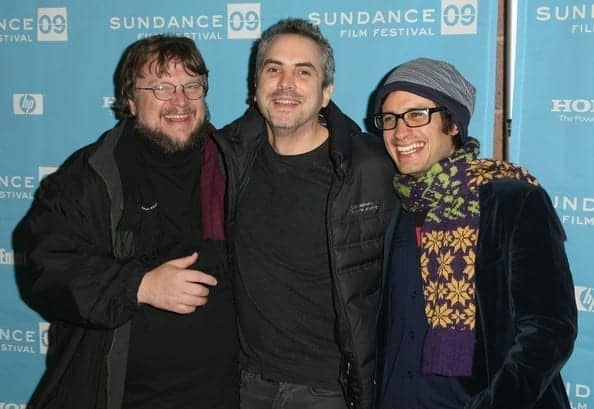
[[82, 279], [77, 282], [360, 202], [525, 302]]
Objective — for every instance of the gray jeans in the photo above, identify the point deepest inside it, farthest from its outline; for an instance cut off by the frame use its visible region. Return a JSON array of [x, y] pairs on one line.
[[258, 393]]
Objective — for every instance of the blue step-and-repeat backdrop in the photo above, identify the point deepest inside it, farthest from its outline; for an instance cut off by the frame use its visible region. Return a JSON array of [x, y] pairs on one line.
[[553, 135], [57, 60]]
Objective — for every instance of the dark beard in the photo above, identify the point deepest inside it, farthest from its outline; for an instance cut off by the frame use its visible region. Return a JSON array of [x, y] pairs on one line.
[[168, 144]]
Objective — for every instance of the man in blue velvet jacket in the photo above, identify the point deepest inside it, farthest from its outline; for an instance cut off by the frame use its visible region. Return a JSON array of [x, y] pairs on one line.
[[477, 301]]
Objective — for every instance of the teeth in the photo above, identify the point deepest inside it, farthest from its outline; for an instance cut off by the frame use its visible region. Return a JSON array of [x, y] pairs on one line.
[[410, 148], [285, 102], [176, 116]]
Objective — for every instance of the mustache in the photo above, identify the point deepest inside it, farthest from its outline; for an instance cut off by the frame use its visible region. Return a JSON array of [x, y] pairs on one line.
[[285, 93], [174, 111]]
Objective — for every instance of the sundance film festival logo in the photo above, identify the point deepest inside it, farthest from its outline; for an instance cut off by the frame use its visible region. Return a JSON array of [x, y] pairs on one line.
[[577, 393], [43, 337], [43, 171], [242, 22], [27, 104], [12, 405], [452, 17], [28, 341], [584, 298], [17, 187], [51, 25], [459, 17], [574, 210], [579, 18], [577, 111], [22, 187]]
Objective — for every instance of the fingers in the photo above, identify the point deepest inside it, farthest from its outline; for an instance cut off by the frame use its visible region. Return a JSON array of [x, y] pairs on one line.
[[187, 303], [199, 277], [173, 287], [194, 276], [194, 295], [184, 262], [195, 290]]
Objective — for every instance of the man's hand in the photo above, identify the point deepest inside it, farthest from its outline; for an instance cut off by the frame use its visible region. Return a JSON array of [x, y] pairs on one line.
[[172, 287]]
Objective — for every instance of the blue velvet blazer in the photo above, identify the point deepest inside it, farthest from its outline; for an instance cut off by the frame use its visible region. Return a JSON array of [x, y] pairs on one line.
[[526, 310]]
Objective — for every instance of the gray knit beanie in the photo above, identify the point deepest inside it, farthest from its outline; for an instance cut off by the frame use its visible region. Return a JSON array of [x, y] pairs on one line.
[[435, 80]]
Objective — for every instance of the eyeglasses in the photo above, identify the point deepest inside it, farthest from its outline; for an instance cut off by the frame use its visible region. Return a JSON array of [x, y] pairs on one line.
[[165, 91], [413, 118]]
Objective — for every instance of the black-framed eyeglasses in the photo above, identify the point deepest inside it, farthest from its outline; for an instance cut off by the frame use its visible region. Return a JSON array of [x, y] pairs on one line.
[[165, 90], [413, 118]]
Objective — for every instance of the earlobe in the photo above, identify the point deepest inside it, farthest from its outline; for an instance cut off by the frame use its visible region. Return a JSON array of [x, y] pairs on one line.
[[327, 94], [132, 107], [454, 130], [255, 87]]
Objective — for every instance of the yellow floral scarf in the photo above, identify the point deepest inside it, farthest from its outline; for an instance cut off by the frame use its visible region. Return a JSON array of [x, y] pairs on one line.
[[449, 196]]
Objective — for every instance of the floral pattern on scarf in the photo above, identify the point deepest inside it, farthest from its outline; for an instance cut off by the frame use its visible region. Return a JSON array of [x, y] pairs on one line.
[[448, 193]]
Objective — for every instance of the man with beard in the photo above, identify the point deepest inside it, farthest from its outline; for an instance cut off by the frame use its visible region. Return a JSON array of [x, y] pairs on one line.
[[309, 198], [127, 247]]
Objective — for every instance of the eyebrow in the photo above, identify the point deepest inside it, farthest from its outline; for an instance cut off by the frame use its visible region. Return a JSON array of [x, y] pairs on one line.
[[412, 108], [299, 64]]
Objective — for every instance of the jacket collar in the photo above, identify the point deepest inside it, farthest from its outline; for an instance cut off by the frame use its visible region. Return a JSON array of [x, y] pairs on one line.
[[212, 182], [250, 129], [103, 162], [342, 130]]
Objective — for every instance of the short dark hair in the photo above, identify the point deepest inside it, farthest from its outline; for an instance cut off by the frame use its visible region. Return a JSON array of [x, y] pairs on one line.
[[162, 49], [303, 28], [447, 125]]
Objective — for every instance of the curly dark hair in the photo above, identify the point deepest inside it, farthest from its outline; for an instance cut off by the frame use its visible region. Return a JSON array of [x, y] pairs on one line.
[[447, 125], [160, 50]]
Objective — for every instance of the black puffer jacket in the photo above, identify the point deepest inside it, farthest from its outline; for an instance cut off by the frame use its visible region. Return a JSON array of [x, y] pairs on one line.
[[359, 206]]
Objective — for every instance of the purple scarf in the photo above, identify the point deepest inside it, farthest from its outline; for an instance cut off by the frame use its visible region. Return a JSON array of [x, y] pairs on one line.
[[449, 195]]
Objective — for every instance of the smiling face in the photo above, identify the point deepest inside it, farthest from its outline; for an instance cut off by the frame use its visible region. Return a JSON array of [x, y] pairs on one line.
[[173, 124], [289, 90], [415, 150]]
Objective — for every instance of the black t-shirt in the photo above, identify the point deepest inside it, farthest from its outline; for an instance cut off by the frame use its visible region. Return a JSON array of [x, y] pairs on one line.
[[176, 360], [285, 303]]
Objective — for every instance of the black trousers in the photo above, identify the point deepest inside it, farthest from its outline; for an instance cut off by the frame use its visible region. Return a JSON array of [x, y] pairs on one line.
[[258, 393]]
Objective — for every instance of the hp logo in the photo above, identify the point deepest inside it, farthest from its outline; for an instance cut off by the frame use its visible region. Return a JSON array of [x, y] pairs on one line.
[[584, 297], [27, 104]]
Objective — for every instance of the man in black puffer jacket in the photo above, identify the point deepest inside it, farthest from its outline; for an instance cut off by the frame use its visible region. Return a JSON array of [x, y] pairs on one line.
[[308, 201]]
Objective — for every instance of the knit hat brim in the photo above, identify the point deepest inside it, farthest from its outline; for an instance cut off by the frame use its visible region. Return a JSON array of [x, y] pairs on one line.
[[460, 114], [436, 80]]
